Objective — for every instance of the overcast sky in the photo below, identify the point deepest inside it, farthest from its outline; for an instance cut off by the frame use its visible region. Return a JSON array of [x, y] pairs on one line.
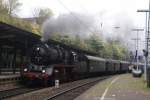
[[92, 6], [102, 8], [107, 11]]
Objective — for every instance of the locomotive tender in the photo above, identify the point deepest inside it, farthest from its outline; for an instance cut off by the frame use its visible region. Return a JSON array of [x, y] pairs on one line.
[[50, 61]]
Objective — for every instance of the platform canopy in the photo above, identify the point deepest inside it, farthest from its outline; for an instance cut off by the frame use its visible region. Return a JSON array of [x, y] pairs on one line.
[[15, 44], [10, 34]]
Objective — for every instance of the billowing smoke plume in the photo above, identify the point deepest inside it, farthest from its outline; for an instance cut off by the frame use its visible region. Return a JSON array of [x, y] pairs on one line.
[[83, 25], [69, 24], [126, 33], [119, 27]]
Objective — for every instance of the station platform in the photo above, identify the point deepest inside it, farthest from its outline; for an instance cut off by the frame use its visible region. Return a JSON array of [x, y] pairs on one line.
[[8, 79], [120, 87], [9, 76]]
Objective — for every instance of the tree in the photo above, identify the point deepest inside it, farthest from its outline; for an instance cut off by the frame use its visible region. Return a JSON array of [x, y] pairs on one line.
[[95, 44], [56, 37], [106, 52], [7, 10], [9, 7], [117, 48], [3, 8], [66, 40], [19, 23], [13, 6], [80, 43], [41, 14]]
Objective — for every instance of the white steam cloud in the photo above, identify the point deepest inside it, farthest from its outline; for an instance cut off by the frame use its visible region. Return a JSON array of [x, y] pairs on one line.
[[69, 24], [83, 25]]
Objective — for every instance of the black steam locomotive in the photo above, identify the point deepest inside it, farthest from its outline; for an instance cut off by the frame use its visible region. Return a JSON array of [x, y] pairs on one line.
[[50, 61]]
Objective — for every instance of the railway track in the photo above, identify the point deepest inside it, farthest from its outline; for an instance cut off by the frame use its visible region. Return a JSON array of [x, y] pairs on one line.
[[16, 91], [52, 93], [74, 91], [9, 79]]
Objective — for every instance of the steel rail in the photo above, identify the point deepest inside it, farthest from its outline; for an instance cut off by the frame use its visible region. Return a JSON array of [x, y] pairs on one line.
[[73, 88], [16, 91]]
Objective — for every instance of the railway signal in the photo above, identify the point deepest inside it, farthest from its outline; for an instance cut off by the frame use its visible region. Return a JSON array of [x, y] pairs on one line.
[[145, 52]]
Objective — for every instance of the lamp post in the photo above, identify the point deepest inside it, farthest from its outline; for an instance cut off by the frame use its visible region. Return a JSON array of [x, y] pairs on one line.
[[137, 38], [134, 39]]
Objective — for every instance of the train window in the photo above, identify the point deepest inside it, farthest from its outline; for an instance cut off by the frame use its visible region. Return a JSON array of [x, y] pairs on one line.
[[36, 68], [49, 70], [74, 56]]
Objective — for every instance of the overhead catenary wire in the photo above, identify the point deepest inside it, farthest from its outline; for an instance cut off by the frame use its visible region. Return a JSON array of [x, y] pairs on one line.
[[72, 14], [98, 21]]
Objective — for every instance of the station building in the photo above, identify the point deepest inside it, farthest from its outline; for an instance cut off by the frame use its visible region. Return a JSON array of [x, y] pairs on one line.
[[14, 47]]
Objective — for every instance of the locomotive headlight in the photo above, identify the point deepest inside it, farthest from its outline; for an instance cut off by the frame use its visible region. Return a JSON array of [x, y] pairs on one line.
[[38, 49], [25, 69], [43, 71]]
